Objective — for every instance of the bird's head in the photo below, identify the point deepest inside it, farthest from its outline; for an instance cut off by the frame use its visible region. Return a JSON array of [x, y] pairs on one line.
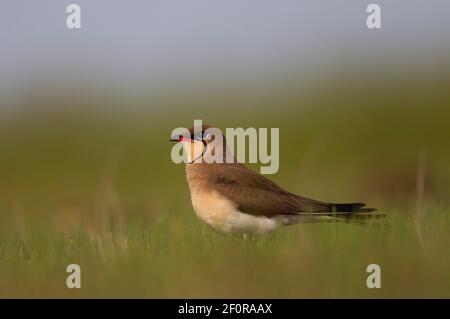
[[201, 142]]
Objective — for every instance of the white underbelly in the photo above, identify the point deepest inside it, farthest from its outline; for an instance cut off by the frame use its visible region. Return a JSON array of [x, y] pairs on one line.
[[222, 215]]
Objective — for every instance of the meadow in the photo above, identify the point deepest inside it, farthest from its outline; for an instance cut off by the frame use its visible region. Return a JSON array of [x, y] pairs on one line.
[[85, 180]]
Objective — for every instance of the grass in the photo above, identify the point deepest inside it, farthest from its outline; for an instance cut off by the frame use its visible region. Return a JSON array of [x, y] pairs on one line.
[[98, 189], [177, 256]]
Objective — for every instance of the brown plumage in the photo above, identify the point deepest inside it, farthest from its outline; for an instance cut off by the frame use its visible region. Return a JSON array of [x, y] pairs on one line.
[[234, 199]]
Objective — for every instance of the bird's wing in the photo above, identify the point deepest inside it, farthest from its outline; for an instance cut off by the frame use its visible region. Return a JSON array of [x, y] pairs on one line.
[[257, 195]]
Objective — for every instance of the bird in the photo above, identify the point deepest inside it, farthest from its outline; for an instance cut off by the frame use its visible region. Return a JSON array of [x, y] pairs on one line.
[[235, 200]]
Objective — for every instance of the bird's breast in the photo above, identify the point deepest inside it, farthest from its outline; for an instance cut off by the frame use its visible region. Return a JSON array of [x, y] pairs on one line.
[[221, 214], [213, 209]]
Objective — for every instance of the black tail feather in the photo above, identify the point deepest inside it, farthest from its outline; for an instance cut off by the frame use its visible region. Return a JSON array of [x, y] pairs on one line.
[[353, 213], [350, 208]]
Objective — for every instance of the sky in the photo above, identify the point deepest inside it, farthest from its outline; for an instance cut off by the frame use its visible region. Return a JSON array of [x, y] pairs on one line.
[[145, 44]]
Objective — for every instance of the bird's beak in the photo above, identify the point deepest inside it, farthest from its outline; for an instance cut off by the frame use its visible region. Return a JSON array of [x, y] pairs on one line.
[[179, 138]]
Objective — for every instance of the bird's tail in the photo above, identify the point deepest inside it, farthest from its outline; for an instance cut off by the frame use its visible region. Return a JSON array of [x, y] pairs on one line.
[[350, 208], [351, 213], [354, 213]]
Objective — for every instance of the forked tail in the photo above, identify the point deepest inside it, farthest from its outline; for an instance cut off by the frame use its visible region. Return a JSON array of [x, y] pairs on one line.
[[350, 208], [351, 213]]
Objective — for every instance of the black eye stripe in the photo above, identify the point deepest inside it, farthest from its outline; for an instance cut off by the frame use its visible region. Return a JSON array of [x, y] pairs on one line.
[[198, 135]]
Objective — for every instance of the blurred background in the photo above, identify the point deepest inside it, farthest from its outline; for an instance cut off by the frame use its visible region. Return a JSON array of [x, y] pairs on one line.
[[85, 170]]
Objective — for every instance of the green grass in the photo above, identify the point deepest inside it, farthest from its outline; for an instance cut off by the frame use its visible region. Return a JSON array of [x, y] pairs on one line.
[[177, 256], [98, 188]]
